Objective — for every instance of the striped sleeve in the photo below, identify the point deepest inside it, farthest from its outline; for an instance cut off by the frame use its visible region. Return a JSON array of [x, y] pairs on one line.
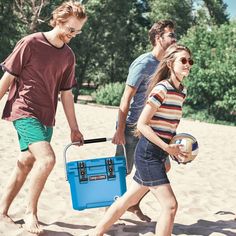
[[157, 95]]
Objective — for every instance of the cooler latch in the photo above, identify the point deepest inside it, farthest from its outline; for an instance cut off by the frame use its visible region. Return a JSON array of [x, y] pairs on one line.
[[82, 172], [110, 168]]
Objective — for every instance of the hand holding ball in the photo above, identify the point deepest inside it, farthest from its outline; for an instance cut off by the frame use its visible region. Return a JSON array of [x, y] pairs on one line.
[[189, 145]]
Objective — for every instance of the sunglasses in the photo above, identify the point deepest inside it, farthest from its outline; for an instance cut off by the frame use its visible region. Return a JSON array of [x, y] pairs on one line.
[[172, 35], [184, 61], [73, 30]]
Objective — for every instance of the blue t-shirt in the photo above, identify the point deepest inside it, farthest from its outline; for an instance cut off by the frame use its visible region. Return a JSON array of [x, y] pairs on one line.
[[140, 72]]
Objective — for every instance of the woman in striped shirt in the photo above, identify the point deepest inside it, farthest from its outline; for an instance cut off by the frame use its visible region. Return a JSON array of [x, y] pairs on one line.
[[156, 127]]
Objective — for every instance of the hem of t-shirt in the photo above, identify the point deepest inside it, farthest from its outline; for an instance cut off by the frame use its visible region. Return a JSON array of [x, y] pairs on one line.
[[9, 118], [5, 69], [66, 89], [132, 85]]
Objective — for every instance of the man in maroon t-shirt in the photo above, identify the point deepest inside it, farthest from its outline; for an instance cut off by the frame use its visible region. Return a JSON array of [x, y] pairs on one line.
[[40, 67]]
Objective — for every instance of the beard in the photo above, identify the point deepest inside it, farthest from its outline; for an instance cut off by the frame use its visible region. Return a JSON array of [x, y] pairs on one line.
[[63, 37]]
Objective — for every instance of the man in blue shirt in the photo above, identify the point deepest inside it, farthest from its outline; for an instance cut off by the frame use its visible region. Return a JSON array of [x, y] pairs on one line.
[[141, 70]]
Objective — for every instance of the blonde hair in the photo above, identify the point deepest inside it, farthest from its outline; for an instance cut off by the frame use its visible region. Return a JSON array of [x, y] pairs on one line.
[[163, 71], [66, 10]]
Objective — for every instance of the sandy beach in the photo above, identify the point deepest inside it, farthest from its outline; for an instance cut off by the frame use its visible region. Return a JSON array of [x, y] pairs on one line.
[[205, 189]]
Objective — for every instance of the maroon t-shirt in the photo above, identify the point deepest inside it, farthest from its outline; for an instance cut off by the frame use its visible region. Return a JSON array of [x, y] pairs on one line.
[[41, 71]]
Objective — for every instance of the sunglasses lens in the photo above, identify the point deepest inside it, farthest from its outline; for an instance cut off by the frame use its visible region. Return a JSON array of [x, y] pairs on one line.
[[184, 60]]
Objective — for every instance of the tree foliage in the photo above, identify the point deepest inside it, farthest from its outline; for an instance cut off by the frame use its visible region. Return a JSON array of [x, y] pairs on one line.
[[116, 32], [210, 12], [10, 28], [217, 11], [212, 82], [29, 12]]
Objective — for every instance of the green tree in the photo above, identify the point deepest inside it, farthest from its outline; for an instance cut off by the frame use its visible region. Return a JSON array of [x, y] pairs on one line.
[[116, 32], [210, 12], [212, 82], [9, 28], [29, 13], [217, 11]]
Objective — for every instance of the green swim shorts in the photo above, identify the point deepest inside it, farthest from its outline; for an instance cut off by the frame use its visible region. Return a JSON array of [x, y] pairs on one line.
[[31, 130]]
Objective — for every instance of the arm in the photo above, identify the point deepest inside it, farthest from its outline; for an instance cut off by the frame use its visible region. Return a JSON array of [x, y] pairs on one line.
[[5, 83], [143, 126], [68, 106], [129, 92]]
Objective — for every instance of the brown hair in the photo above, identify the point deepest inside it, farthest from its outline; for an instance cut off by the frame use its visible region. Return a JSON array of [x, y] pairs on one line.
[[66, 10], [163, 71], [158, 29]]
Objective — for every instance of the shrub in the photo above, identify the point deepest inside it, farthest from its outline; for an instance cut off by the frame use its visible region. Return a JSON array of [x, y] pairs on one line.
[[109, 94]]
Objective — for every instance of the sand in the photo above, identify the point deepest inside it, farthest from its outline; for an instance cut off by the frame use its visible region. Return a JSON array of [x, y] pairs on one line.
[[205, 188]]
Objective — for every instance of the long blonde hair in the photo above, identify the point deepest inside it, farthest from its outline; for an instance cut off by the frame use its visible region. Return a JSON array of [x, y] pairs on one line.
[[163, 71]]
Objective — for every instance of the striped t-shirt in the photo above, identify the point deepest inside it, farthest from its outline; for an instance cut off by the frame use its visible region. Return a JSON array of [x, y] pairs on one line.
[[168, 101]]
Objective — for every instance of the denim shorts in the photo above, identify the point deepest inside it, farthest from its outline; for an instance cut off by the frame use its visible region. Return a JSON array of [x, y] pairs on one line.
[[149, 160], [31, 130]]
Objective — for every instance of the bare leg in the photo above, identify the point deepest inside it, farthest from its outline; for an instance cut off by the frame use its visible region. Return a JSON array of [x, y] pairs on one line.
[[169, 206], [44, 162], [137, 211], [117, 209], [17, 179], [136, 208]]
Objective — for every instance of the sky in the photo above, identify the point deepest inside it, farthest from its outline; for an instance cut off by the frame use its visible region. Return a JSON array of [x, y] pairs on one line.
[[231, 9]]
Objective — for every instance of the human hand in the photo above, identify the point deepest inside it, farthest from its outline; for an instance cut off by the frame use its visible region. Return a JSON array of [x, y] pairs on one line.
[[177, 151], [118, 138], [76, 136]]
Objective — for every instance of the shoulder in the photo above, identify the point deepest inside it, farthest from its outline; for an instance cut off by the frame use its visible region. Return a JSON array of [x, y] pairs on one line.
[[172, 90], [32, 38], [29, 40], [160, 88], [162, 85], [26, 43], [144, 59]]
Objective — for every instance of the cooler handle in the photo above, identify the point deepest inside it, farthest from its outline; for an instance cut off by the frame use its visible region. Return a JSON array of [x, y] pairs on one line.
[[88, 141]]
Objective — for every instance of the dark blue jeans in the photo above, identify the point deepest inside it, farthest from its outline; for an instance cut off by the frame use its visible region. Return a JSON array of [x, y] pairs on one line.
[[130, 145]]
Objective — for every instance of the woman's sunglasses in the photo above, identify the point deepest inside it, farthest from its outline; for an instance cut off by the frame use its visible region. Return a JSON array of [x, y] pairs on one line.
[[184, 61]]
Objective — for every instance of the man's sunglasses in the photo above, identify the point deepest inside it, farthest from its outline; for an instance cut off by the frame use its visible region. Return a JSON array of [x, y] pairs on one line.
[[73, 30], [172, 35], [184, 61]]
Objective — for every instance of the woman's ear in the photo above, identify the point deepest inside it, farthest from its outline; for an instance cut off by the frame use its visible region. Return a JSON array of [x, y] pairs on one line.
[[169, 64]]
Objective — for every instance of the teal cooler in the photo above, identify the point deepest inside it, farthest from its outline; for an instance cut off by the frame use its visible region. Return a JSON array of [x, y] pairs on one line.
[[96, 182]]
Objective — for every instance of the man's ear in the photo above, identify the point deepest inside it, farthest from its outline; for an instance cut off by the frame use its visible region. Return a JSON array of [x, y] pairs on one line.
[[58, 22], [157, 37]]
